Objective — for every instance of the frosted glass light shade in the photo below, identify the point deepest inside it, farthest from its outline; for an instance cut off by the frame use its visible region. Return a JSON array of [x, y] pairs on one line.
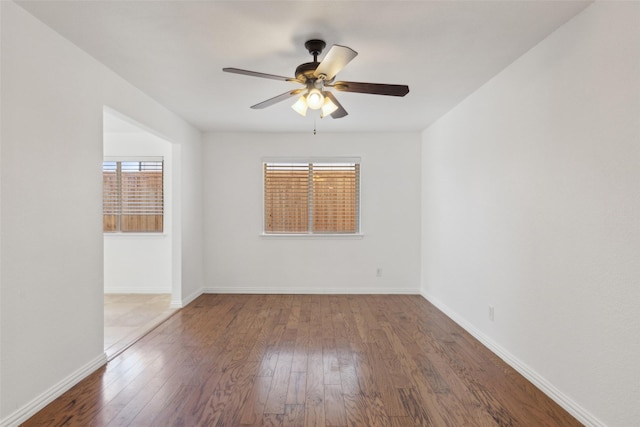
[[315, 99], [300, 106], [328, 107]]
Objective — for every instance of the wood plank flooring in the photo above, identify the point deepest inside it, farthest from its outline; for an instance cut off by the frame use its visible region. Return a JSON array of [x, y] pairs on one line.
[[128, 317], [305, 360]]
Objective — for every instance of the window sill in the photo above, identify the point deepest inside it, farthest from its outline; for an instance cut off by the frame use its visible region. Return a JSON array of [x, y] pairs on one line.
[[293, 236], [135, 235]]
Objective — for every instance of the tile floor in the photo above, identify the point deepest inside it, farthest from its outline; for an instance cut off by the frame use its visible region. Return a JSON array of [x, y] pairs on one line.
[[128, 317]]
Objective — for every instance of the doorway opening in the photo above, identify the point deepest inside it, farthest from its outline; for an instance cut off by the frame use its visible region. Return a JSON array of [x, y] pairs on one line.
[[138, 274]]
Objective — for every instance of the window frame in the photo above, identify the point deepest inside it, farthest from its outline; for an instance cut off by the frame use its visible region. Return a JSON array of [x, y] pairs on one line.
[[136, 159], [358, 234]]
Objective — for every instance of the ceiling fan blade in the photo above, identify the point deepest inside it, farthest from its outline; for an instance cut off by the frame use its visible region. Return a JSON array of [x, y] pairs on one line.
[[257, 74], [269, 102], [340, 112], [372, 88], [334, 61]]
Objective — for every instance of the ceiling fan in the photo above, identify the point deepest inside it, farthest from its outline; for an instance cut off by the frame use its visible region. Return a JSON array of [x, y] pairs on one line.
[[318, 80]]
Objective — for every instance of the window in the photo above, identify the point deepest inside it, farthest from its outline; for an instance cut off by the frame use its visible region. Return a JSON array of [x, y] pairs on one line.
[[132, 198], [312, 197]]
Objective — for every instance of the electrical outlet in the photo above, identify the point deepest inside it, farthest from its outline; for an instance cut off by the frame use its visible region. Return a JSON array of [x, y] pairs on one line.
[[378, 272], [491, 313]]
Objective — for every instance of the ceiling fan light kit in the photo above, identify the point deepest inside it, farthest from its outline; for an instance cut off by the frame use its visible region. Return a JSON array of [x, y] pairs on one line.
[[328, 107], [301, 106], [315, 99], [318, 80]]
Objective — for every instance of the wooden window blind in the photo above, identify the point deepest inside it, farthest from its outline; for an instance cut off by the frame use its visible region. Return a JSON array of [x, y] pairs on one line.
[[312, 198], [133, 196]]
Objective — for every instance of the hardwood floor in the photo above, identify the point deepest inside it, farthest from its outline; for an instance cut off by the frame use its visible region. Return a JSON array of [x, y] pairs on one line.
[[305, 360], [127, 317]]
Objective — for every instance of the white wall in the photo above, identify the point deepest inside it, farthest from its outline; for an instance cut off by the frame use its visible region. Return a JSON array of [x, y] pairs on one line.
[[188, 249], [140, 262], [531, 204], [51, 252], [238, 259]]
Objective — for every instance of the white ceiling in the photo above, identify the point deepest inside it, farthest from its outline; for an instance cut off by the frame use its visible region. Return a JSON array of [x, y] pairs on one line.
[[175, 51]]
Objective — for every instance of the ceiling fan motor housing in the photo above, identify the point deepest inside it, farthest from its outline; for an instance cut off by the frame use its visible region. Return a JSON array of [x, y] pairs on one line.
[[305, 72]]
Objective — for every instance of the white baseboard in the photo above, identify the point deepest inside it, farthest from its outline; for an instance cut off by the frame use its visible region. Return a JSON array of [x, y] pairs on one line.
[[31, 408], [137, 290], [305, 290], [536, 379], [186, 300]]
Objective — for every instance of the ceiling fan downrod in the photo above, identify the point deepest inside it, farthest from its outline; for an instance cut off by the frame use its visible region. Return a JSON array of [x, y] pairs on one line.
[[315, 47], [305, 72]]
